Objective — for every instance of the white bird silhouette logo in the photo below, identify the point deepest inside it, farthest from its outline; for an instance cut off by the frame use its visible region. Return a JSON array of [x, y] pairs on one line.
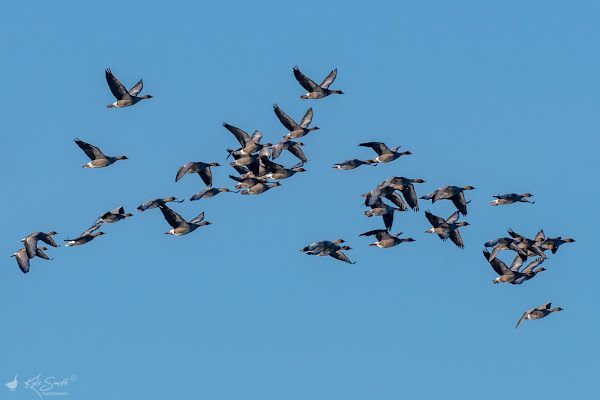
[[12, 385]]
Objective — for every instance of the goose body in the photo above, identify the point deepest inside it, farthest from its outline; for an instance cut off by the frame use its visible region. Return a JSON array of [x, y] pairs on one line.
[[180, 226], [384, 153], [99, 160], [538, 313]]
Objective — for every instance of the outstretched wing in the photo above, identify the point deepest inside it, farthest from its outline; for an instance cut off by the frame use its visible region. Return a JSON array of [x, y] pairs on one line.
[[92, 152], [116, 87], [289, 123], [410, 196], [171, 216], [239, 134], [329, 80], [304, 81], [297, 151], [456, 238], [434, 219], [307, 119], [338, 255], [134, 91], [525, 314], [183, 170], [460, 203], [379, 147]]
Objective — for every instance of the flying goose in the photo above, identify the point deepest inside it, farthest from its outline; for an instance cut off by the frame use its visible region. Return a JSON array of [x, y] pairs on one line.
[[385, 239], [202, 169], [209, 192], [99, 160], [150, 204], [446, 228], [316, 91], [552, 244], [454, 193], [385, 154], [510, 198], [384, 191], [30, 242], [296, 130], [86, 236], [23, 259], [327, 248], [353, 163], [180, 226], [537, 313], [124, 98], [113, 216]]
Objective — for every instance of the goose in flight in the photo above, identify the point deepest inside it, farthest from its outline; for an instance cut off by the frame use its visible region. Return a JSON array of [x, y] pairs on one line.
[[512, 274], [446, 228], [124, 98], [31, 242], [454, 193], [385, 239], [86, 236], [291, 146], [353, 163], [316, 91], [510, 198], [385, 154], [296, 130], [327, 248], [537, 313], [180, 226], [23, 259], [202, 169], [99, 160]]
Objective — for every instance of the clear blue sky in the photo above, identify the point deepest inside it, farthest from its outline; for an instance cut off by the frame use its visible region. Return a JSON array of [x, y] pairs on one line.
[[500, 96]]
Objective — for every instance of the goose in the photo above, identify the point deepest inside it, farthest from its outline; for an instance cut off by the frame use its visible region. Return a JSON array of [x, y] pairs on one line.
[[512, 274], [353, 163], [384, 191], [454, 193], [504, 243], [296, 130], [316, 91], [23, 259], [327, 248], [124, 98], [379, 208], [446, 228], [530, 247], [12, 385], [180, 226], [209, 192], [385, 154], [277, 171], [291, 146], [99, 160], [202, 169], [30, 242], [259, 188], [150, 204], [385, 239], [510, 198], [320, 246], [552, 244], [405, 185], [85, 237], [113, 216], [537, 313], [250, 144]]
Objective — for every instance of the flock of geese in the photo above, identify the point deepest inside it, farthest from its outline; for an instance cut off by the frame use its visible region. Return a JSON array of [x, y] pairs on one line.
[[257, 173]]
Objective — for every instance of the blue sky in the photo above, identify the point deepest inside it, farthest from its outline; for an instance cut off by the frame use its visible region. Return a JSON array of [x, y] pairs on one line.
[[502, 97]]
